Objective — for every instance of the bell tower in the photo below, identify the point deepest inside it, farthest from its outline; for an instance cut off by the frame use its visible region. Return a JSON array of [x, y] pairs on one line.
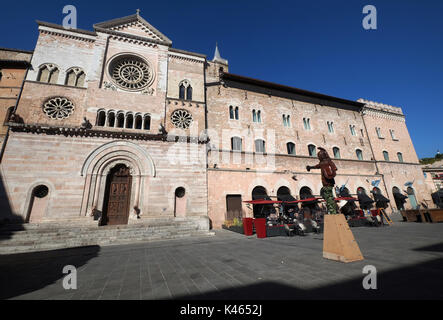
[[216, 66]]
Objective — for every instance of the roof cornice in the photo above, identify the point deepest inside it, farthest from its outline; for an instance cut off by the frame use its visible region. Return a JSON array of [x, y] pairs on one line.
[[59, 27], [131, 36], [356, 106], [129, 19]]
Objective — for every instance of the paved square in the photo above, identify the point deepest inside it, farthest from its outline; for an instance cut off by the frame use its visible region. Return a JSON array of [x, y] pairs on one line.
[[408, 258]]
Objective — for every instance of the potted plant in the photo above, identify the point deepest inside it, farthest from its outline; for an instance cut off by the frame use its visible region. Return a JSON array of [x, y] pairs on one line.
[[235, 225]]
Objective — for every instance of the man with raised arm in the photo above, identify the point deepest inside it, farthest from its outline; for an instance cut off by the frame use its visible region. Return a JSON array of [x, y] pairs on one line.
[[328, 170]]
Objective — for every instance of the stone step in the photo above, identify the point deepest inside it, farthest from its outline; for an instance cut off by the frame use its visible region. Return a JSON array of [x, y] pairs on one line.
[[10, 249], [103, 235], [46, 236]]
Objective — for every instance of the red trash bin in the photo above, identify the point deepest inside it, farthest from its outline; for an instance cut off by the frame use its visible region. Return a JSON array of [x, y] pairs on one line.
[[260, 227], [247, 226]]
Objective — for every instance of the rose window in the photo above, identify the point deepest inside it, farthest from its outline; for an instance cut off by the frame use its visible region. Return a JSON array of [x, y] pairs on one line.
[[58, 108], [131, 73], [181, 119]]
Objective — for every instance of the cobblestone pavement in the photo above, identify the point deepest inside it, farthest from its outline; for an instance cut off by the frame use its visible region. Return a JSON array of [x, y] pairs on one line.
[[408, 258]]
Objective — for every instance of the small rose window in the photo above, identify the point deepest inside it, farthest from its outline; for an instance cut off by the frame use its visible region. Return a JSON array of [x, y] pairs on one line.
[[181, 118], [58, 108]]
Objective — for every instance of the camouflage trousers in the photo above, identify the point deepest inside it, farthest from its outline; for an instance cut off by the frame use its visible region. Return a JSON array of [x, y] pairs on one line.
[[326, 193]]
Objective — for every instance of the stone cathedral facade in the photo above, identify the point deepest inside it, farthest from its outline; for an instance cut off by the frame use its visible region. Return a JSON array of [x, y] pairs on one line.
[[118, 126]]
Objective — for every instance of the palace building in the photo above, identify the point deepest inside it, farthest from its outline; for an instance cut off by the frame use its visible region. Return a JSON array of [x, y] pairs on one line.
[[115, 126]]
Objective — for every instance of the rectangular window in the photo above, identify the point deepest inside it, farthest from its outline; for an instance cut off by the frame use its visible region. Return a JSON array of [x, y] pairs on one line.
[[352, 128], [236, 144], [392, 134], [231, 112], [291, 148], [259, 146], [378, 130], [307, 123]]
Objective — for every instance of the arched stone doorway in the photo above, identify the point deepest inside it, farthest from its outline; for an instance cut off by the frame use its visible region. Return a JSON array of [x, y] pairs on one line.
[[283, 193], [412, 198], [305, 193], [38, 203], [117, 196], [260, 210], [98, 165]]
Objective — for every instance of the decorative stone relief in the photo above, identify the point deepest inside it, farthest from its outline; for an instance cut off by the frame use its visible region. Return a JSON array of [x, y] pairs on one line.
[[148, 91], [109, 86]]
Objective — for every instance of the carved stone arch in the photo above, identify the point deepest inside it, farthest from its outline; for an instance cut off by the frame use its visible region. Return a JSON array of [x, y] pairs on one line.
[[146, 162], [98, 164], [76, 70], [185, 82], [110, 161], [51, 66], [282, 183], [258, 182]]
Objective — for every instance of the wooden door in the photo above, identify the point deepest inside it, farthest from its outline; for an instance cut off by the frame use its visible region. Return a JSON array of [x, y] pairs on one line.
[[118, 195], [233, 207]]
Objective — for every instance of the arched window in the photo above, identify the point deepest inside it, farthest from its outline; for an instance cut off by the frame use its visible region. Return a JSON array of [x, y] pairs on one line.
[[231, 112], [400, 156], [312, 150], [181, 93], [260, 210], [129, 121], [331, 127], [75, 77], [189, 93], [138, 121], [254, 116], [259, 116], [386, 155], [359, 154], [260, 146], [48, 73], [336, 152], [236, 144], [101, 118], [120, 120], [147, 122], [185, 90], [111, 119], [236, 113], [290, 146]]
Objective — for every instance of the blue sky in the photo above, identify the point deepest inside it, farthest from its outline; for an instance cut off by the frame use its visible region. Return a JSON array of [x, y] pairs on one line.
[[313, 45]]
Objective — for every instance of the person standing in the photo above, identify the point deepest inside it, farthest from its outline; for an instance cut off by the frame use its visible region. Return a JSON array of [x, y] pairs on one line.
[[328, 173]]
